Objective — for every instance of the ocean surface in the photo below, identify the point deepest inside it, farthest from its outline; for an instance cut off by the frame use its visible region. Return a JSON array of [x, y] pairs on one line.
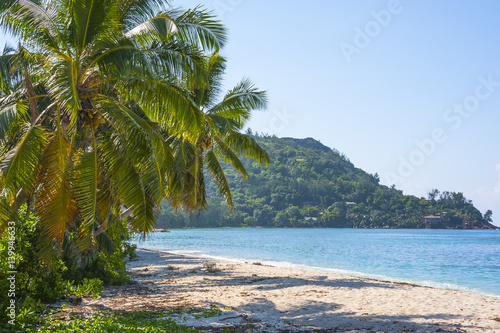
[[453, 259]]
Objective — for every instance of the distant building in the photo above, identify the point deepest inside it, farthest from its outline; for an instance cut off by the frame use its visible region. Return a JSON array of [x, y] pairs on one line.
[[432, 219], [310, 220]]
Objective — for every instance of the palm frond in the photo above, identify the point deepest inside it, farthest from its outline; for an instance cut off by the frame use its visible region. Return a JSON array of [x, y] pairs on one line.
[[156, 170], [224, 152], [129, 120], [6, 214], [89, 19], [130, 187], [143, 218], [160, 27], [113, 56], [240, 101], [9, 77], [215, 67], [247, 146], [6, 4], [106, 244], [55, 203], [172, 107], [134, 83], [24, 18], [18, 167], [200, 27], [186, 184], [131, 13], [85, 179], [219, 177], [221, 125], [10, 114], [106, 194], [62, 84]]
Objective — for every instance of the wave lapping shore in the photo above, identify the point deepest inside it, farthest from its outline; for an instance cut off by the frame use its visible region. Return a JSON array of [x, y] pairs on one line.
[[278, 299]]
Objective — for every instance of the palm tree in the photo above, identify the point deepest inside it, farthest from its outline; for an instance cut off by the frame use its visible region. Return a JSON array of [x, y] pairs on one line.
[[220, 139], [95, 87]]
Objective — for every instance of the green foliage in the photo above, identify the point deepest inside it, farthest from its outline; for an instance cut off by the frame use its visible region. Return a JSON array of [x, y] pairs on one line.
[[144, 321], [136, 321], [310, 185], [88, 104], [89, 287], [32, 279], [106, 108], [36, 284], [27, 314], [108, 267]]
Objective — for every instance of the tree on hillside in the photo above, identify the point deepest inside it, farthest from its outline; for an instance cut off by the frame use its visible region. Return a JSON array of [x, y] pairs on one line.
[[324, 185], [487, 216], [433, 194]]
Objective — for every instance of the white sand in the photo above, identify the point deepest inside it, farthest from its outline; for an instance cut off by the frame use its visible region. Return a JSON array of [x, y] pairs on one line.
[[285, 299]]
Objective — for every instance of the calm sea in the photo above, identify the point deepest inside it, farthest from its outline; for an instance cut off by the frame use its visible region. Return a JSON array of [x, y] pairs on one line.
[[454, 259]]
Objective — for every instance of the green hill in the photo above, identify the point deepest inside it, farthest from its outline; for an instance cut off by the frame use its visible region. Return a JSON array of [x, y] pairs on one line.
[[311, 185]]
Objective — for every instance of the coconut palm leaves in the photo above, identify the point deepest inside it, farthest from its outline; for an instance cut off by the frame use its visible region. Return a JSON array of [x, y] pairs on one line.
[[220, 140], [107, 107]]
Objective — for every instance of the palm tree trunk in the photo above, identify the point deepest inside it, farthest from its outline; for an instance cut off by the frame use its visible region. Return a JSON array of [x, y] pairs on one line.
[[30, 91], [21, 198], [103, 227]]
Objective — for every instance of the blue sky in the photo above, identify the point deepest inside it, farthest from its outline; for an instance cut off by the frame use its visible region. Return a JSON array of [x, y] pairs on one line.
[[406, 89]]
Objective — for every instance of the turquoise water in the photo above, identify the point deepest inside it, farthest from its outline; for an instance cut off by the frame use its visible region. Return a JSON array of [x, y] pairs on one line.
[[454, 259]]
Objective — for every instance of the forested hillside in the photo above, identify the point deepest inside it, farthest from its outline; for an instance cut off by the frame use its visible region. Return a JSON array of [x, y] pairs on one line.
[[310, 185]]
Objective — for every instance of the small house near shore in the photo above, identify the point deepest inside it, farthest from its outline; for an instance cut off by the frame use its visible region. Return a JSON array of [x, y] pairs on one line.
[[432, 219]]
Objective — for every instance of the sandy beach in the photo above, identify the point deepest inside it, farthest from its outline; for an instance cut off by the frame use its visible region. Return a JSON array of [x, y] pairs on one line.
[[275, 299]]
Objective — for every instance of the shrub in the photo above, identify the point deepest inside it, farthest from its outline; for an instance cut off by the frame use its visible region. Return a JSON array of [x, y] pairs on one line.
[[36, 284]]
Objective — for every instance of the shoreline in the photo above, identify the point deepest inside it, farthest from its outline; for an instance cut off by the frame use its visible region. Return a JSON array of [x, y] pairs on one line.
[[356, 274], [278, 299], [308, 268]]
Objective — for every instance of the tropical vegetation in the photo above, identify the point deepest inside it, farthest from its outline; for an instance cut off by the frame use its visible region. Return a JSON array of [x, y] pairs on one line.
[[310, 185], [106, 108]]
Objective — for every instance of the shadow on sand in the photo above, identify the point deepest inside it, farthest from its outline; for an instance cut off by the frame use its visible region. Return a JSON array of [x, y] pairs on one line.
[[311, 316]]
